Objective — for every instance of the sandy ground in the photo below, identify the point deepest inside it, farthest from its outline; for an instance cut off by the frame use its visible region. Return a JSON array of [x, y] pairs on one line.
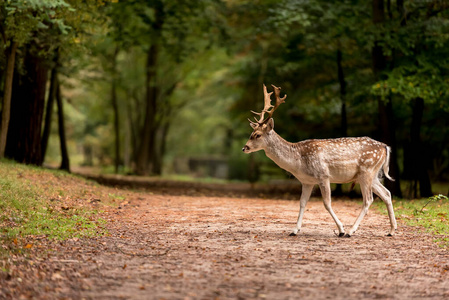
[[200, 247]]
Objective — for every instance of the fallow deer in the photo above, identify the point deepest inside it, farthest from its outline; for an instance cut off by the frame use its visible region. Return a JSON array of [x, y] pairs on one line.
[[341, 160]]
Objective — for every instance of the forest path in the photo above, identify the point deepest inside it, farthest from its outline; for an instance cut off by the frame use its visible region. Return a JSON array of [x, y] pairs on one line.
[[199, 247]]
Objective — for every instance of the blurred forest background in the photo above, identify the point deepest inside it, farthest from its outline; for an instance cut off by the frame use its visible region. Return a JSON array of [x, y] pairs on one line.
[[160, 87]]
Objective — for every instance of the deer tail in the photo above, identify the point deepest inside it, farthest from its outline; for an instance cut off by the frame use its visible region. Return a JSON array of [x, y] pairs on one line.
[[386, 165]]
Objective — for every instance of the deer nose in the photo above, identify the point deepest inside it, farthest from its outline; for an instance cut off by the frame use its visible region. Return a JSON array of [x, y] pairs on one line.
[[245, 148]]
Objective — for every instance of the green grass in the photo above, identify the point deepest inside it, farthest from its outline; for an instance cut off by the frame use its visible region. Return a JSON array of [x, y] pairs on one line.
[[432, 214], [39, 202]]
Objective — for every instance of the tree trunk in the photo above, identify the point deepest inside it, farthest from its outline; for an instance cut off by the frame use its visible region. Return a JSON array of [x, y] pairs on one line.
[[344, 122], [342, 81], [88, 155], [65, 162], [133, 116], [127, 147], [49, 112], [419, 157], [146, 148], [386, 120], [162, 126], [7, 93], [147, 144], [157, 163], [115, 109], [388, 136], [27, 109]]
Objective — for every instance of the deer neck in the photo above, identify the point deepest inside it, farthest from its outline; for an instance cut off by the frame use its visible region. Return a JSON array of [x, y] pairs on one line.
[[283, 153]]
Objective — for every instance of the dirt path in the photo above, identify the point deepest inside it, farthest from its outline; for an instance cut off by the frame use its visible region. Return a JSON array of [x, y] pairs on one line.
[[197, 247]]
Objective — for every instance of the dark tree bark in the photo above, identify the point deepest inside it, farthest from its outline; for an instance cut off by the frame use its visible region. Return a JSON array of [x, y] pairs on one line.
[[10, 54], [162, 126], [65, 161], [417, 158], [115, 110], [342, 82], [133, 116], [146, 148], [49, 111], [158, 156], [385, 107], [387, 132], [27, 109]]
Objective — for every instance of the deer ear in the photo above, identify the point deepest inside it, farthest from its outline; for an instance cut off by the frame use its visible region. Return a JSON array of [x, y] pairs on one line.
[[270, 124]]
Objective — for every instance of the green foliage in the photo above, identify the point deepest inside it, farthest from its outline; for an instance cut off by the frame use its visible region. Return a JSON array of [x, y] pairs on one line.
[[419, 43], [430, 84], [29, 208], [21, 18]]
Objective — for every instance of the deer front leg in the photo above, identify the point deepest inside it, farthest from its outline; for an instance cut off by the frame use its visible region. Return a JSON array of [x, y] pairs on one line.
[[305, 196], [326, 193]]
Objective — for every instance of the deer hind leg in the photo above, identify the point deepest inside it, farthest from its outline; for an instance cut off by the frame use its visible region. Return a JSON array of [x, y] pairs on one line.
[[367, 193], [305, 196], [326, 193], [385, 195]]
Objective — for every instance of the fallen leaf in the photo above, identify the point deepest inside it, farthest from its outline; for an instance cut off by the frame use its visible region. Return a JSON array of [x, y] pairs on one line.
[[56, 276], [28, 246]]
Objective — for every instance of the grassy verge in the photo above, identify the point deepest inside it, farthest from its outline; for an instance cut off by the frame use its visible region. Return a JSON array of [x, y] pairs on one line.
[[46, 203], [432, 214]]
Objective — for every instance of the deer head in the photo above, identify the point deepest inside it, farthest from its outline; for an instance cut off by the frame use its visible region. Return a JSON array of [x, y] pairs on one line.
[[264, 125]]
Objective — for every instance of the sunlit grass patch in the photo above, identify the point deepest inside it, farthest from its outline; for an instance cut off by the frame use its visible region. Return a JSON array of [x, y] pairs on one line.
[[40, 202], [430, 213]]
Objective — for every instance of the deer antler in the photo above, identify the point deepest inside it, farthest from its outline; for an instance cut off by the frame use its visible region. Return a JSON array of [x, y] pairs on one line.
[[279, 100], [267, 106]]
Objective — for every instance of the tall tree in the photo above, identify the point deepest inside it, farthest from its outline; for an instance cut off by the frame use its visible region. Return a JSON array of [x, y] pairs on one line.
[[49, 107], [385, 106], [65, 161], [115, 108], [27, 108], [10, 53], [416, 157]]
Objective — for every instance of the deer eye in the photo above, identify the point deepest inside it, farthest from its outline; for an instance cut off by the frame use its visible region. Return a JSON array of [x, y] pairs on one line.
[[257, 136]]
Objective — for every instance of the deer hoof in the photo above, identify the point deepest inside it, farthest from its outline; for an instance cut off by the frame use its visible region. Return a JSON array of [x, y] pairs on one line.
[[292, 234], [389, 234], [347, 235], [341, 234]]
